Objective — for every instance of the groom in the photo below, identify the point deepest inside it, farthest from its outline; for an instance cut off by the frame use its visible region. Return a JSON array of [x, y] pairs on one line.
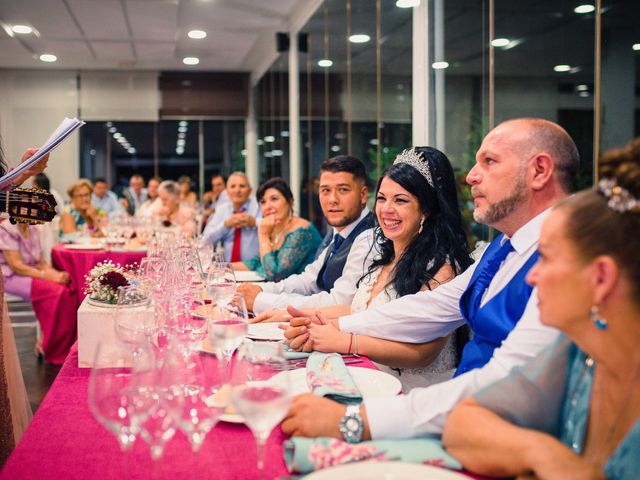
[[523, 168]]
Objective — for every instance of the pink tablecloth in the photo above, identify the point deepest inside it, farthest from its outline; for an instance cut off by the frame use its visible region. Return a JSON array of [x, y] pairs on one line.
[[80, 262]]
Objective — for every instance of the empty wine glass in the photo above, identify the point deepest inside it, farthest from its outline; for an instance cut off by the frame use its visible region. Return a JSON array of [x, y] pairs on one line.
[[221, 282], [227, 327], [193, 393], [262, 402], [135, 321], [111, 390]]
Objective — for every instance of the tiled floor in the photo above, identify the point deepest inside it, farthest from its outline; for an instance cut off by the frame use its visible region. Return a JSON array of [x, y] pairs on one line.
[[38, 377]]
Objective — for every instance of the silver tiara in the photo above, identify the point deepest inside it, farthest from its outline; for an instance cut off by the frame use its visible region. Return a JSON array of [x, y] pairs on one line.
[[619, 198], [414, 159]]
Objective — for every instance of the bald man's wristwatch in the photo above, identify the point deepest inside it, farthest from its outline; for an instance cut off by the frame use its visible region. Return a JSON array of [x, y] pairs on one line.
[[351, 425]]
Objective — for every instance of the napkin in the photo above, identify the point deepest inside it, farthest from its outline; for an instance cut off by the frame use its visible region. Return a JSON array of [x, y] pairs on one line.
[[303, 455], [328, 376], [292, 354]]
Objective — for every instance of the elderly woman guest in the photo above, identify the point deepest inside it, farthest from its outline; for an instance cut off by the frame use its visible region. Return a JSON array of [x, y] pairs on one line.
[[421, 242], [287, 242], [234, 223], [174, 212], [573, 411], [186, 194], [80, 215]]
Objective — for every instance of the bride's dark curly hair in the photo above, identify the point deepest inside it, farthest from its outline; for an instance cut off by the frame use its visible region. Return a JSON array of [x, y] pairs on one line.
[[3, 165], [442, 239]]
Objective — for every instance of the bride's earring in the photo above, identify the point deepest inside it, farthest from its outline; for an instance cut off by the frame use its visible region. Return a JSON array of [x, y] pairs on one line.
[[420, 229]]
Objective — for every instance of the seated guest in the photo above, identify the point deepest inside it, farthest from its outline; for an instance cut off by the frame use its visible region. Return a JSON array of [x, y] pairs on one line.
[[234, 223], [216, 196], [42, 182], [287, 242], [345, 257], [134, 195], [152, 204], [23, 264], [523, 168], [104, 199], [419, 233], [80, 217], [574, 410], [186, 195], [174, 212]]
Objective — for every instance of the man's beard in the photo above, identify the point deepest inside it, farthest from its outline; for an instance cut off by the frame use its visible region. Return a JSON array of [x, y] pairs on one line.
[[505, 207], [346, 220]]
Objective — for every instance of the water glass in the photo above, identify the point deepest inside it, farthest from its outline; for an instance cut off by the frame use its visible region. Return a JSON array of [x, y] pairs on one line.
[[227, 327], [221, 283]]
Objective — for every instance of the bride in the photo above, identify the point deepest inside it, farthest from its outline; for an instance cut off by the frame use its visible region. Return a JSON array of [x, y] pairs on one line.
[[421, 244]]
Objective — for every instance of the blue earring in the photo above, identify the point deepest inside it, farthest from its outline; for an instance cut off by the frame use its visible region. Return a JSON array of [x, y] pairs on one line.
[[595, 317]]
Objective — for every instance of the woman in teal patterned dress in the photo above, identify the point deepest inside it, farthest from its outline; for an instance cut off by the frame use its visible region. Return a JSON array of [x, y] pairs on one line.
[[573, 412], [287, 243]]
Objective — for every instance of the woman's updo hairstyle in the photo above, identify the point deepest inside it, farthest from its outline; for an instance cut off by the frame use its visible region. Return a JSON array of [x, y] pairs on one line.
[[605, 220]]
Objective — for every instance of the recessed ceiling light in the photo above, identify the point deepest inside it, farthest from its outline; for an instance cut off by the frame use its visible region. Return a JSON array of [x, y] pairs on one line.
[[181, 143], [407, 3], [586, 8], [440, 65], [582, 88], [259, 142], [359, 38], [269, 138], [22, 29], [182, 135], [182, 129], [113, 130], [583, 94], [284, 133], [276, 153], [335, 148], [561, 68], [132, 151], [183, 123], [244, 152], [575, 69], [325, 63], [48, 57], [117, 135], [191, 60], [500, 42], [197, 34], [636, 46]]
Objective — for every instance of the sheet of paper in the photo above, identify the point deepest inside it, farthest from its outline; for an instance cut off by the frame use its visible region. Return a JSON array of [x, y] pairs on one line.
[[66, 128]]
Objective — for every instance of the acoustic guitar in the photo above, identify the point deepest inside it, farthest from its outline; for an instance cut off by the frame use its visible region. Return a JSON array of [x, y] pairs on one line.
[[28, 205]]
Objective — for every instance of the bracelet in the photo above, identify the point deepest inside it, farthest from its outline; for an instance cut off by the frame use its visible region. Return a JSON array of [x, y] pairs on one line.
[[350, 341], [355, 345]]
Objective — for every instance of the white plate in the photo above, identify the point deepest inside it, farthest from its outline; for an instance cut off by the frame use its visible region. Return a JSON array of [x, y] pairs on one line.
[[371, 383], [122, 249], [248, 276], [384, 471], [83, 246], [265, 331]]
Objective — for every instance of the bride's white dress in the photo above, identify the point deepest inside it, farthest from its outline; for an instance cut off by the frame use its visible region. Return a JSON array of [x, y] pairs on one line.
[[441, 369]]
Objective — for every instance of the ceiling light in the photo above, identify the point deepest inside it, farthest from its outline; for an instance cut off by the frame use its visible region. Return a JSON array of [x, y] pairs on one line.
[[121, 140], [583, 94], [179, 151], [561, 68], [182, 135], [22, 29], [183, 123], [132, 151], [191, 60], [109, 124], [359, 38], [500, 42], [335, 148], [268, 154], [636, 46], [284, 133], [407, 3], [582, 88], [182, 129], [586, 8], [276, 153], [113, 130], [48, 57], [259, 142], [575, 69], [373, 141], [269, 138], [325, 63], [244, 152], [117, 135], [181, 142], [440, 65], [197, 34]]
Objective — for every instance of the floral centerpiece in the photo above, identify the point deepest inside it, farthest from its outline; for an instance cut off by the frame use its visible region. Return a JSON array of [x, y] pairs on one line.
[[104, 280]]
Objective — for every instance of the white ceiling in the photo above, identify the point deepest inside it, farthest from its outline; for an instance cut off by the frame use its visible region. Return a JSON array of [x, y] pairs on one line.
[[144, 34]]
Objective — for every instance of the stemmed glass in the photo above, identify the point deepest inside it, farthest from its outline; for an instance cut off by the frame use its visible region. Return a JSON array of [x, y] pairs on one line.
[[221, 282], [135, 320], [112, 390], [192, 393], [228, 327], [262, 403]]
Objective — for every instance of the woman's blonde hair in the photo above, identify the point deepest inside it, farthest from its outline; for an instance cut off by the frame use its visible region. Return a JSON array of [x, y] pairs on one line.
[[82, 182]]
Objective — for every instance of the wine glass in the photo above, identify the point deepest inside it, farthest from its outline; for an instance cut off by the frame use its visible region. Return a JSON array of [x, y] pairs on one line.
[[227, 326], [221, 282], [135, 319], [111, 390], [152, 273], [193, 394], [261, 402]]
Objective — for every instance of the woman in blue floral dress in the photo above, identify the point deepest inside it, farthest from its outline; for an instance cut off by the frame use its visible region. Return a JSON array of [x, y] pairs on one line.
[[287, 242]]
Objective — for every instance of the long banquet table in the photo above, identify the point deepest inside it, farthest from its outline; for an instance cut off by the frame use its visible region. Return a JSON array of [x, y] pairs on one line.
[[64, 441]]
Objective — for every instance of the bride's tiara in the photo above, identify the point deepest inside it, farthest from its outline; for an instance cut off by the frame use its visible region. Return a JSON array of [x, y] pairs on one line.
[[413, 158]]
